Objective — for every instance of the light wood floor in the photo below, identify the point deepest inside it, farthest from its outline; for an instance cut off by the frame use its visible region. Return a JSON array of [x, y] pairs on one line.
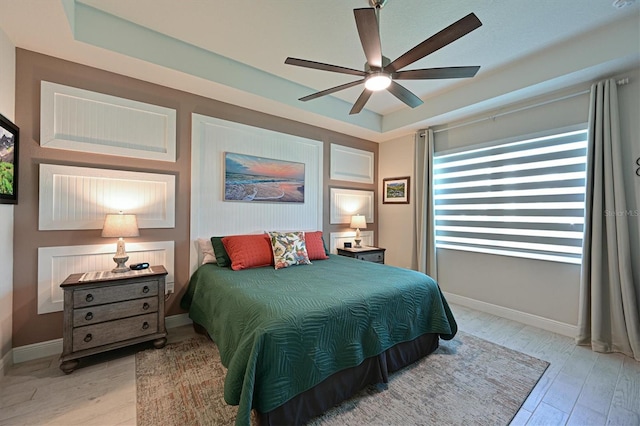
[[580, 387]]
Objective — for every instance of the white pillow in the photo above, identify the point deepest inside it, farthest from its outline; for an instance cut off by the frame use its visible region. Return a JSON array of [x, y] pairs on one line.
[[208, 256]]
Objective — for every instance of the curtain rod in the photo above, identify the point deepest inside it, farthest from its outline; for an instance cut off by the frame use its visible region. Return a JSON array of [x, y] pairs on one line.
[[619, 82]]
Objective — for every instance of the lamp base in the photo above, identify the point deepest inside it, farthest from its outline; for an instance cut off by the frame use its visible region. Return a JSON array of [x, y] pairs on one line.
[[120, 261], [357, 243]]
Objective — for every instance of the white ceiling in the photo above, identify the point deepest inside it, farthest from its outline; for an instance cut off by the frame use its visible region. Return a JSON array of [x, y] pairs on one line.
[[234, 51]]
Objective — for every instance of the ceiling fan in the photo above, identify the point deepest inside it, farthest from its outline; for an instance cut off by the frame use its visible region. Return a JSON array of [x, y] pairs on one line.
[[381, 73]]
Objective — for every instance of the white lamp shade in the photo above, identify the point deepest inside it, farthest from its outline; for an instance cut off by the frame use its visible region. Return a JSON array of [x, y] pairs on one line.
[[358, 221], [120, 226]]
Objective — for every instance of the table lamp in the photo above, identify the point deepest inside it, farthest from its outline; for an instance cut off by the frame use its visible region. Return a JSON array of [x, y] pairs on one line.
[[358, 222], [121, 226]]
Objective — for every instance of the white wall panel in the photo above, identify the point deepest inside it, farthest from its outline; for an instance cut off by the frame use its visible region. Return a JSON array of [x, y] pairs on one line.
[[351, 164], [81, 120], [210, 215], [337, 239], [79, 197], [55, 264], [348, 202]]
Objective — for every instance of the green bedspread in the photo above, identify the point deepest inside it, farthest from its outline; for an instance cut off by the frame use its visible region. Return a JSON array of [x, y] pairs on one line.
[[281, 332]]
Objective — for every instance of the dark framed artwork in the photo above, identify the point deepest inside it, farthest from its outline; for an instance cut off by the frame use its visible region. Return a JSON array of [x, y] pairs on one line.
[[9, 143], [257, 179], [395, 190]]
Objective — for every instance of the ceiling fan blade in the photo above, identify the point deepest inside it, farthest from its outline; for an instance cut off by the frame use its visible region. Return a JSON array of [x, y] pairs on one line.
[[367, 23], [324, 67], [448, 35], [362, 99], [331, 90], [404, 95], [435, 73]]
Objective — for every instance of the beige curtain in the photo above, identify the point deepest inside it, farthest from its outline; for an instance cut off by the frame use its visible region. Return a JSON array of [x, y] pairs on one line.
[[608, 312], [424, 211]]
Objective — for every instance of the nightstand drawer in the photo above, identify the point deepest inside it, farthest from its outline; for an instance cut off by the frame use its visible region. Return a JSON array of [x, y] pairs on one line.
[[91, 336], [102, 313], [371, 257], [110, 294]]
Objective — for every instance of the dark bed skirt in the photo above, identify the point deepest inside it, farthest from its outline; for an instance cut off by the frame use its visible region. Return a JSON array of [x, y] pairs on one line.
[[346, 383]]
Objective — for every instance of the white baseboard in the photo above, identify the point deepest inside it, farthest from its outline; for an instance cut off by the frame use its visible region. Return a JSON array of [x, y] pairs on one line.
[[54, 347], [5, 363], [512, 314]]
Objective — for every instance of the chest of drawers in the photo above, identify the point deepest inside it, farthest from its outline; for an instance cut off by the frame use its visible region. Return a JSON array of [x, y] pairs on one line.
[[104, 313], [369, 254]]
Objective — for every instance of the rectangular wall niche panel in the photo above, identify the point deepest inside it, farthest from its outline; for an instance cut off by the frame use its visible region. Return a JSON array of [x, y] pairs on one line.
[[80, 197], [350, 164], [337, 239], [81, 120], [55, 264], [347, 202]]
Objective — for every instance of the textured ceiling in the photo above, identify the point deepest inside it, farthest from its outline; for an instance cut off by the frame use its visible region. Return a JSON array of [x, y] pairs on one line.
[[234, 51]]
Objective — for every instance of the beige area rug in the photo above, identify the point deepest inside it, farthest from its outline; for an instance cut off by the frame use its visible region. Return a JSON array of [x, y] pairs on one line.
[[465, 381]]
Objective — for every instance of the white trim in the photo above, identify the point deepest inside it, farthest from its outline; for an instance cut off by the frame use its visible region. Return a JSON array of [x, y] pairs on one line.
[[351, 164], [5, 363], [514, 315], [337, 239], [347, 202], [82, 120], [79, 197], [54, 347]]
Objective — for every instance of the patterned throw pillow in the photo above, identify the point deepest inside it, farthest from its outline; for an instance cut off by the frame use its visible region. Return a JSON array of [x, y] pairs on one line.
[[288, 249]]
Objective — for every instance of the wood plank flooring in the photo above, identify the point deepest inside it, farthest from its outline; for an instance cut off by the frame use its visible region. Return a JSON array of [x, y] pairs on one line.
[[580, 387]]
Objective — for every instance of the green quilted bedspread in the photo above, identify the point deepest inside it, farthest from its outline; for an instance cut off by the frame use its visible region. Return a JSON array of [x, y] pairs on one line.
[[281, 332]]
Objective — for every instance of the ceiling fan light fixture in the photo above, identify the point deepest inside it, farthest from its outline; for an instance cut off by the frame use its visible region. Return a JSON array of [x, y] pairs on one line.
[[377, 81]]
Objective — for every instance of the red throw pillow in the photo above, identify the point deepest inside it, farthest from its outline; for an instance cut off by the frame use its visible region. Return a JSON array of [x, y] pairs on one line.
[[248, 251], [315, 245]]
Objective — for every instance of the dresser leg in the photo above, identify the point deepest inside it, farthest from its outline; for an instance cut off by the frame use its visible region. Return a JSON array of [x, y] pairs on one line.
[[69, 366], [159, 343]]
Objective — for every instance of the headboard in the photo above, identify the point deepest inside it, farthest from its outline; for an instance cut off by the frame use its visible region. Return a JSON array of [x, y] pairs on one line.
[[212, 216]]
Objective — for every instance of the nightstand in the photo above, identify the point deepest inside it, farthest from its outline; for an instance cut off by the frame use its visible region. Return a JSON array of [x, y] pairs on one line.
[[369, 254], [106, 310]]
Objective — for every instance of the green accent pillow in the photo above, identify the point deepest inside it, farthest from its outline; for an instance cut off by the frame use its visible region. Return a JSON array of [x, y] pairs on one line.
[[222, 258]]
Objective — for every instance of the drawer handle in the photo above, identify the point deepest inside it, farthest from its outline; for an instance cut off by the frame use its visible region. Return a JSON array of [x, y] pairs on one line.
[[89, 316], [89, 297], [145, 306], [88, 338], [145, 289], [145, 325]]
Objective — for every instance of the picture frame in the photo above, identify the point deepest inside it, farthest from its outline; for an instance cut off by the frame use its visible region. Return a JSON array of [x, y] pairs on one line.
[[9, 148], [395, 190], [248, 178]]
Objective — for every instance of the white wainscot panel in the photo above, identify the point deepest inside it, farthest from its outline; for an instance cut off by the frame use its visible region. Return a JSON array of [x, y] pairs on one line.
[[350, 164], [339, 238], [81, 120], [348, 202], [55, 264], [80, 197]]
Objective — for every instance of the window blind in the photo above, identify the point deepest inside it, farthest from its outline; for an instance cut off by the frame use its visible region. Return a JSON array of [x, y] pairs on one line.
[[522, 198]]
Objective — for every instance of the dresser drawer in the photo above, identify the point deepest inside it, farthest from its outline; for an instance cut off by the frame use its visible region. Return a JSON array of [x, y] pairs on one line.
[[104, 333], [110, 294], [102, 313], [371, 257]]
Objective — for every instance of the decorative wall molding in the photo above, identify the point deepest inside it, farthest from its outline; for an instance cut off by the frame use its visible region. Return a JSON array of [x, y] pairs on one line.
[[337, 239], [351, 164], [55, 264], [211, 216], [82, 120], [348, 202], [79, 197]]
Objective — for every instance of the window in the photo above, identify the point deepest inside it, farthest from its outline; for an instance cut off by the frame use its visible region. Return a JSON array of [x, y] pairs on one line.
[[523, 198]]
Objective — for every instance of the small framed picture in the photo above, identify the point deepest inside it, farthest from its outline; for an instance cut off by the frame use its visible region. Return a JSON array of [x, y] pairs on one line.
[[9, 143], [395, 190]]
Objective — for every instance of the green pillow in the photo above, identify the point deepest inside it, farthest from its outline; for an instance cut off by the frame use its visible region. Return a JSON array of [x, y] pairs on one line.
[[222, 258]]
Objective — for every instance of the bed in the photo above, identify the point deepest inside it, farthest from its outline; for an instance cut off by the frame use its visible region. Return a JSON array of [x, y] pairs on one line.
[[298, 340]]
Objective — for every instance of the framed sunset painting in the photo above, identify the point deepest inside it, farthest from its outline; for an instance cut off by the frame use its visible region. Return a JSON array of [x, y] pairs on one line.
[[257, 179]]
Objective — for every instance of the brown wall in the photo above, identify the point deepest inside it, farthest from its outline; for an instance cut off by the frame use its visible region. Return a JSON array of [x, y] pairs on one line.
[[31, 68]]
